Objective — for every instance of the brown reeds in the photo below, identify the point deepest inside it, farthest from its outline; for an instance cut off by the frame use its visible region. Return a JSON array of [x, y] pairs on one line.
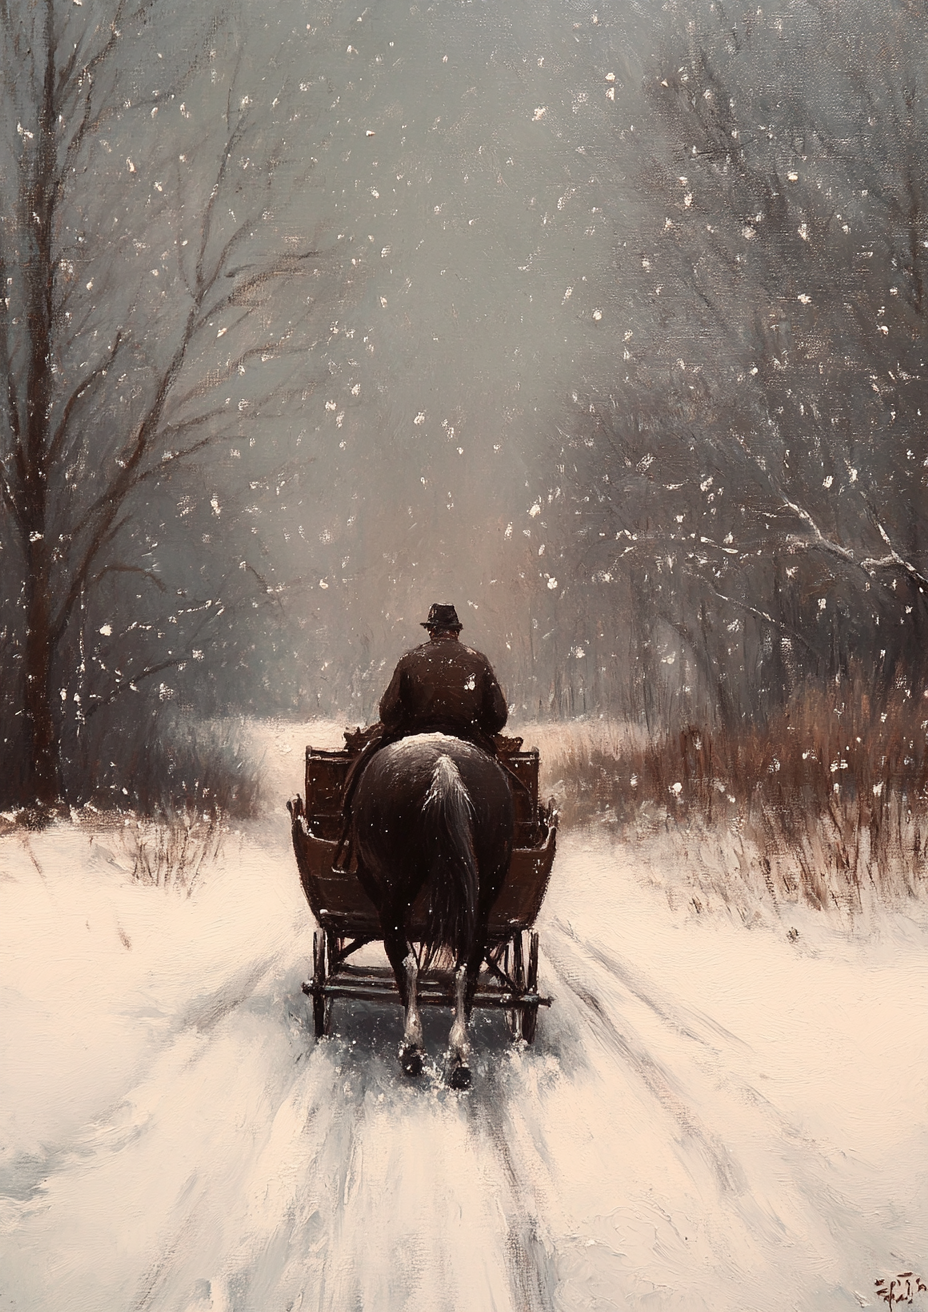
[[832, 793], [172, 853]]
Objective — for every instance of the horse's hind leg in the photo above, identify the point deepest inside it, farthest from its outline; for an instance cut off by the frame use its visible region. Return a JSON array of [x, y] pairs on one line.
[[405, 965], [413, 1049], [458, 1043], [466, 976]]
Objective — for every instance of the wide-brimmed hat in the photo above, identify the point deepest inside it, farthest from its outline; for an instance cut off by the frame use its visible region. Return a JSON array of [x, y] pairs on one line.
[[442, 616]]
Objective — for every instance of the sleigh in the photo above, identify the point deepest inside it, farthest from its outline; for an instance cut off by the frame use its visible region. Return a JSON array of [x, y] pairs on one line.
[[347, 920]]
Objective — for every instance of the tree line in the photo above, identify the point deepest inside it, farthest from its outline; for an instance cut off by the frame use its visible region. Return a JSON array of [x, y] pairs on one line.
[[161, 296], [749, 500]]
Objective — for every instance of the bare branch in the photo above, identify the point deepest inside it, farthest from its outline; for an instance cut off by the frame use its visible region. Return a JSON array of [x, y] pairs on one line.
[[204, 283], [83, 385], [172, 459], [107, 501], [184, 425], [869, 564], [168, 663], [893, 558], [818, 537], [761, 614], [105, 509], [265, 586], [87, 75], [210, 381], [131, 569], [287, 267], [264, 351], [69, 80]]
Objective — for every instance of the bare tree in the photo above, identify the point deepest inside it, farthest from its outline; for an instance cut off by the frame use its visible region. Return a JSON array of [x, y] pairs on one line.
[[160, 293], [762, 471]]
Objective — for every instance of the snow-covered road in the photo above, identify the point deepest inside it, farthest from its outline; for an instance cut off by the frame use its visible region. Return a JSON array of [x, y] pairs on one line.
[[713, 1116]]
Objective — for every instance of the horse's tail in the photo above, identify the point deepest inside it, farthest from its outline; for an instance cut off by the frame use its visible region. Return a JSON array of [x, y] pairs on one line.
[[454, 879]]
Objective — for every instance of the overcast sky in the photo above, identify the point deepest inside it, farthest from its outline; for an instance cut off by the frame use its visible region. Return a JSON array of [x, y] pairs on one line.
[[469, 160]]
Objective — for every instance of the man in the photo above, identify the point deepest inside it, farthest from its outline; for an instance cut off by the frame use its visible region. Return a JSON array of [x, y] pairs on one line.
[[440, 687], [444, 687]]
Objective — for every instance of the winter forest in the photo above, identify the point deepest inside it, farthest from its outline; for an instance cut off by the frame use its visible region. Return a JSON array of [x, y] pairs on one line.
[[605, 321], [610, 329]]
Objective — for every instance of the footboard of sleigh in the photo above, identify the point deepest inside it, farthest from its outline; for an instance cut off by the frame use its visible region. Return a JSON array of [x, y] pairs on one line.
[[508, 981]]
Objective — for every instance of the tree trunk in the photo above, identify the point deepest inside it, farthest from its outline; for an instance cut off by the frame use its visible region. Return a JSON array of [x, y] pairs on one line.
[[43, 760], [43, 775]]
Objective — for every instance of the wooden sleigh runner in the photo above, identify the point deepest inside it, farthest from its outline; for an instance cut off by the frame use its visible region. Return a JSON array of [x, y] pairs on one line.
[[348, 921]]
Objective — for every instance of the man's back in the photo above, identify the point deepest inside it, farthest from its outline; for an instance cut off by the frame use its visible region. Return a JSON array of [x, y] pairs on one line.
[[446, 687]]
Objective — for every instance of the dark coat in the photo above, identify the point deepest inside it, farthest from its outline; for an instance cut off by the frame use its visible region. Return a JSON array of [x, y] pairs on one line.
[[444, 687]]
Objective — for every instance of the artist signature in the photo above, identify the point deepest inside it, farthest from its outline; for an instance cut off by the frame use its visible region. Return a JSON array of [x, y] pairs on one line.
[[901, 1288]]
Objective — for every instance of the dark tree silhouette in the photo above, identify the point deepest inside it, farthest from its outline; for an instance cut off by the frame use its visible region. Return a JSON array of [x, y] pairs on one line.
[[160, 293]]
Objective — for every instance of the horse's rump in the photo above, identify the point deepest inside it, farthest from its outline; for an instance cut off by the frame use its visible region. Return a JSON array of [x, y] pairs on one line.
[[434, 811]]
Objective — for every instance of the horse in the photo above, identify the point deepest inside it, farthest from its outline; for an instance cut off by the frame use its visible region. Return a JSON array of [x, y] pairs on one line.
[[434, 812]]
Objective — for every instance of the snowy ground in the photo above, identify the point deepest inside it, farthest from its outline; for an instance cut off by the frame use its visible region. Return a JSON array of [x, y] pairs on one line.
[[713, 1116]]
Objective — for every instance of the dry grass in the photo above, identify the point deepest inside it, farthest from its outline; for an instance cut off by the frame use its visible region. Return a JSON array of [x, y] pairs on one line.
[[193, 767], [172, 853], [168, 800], [826, 805]]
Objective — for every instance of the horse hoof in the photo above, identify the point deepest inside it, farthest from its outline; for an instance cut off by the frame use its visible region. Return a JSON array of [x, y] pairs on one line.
[[411, 1059], [460, 1077]]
